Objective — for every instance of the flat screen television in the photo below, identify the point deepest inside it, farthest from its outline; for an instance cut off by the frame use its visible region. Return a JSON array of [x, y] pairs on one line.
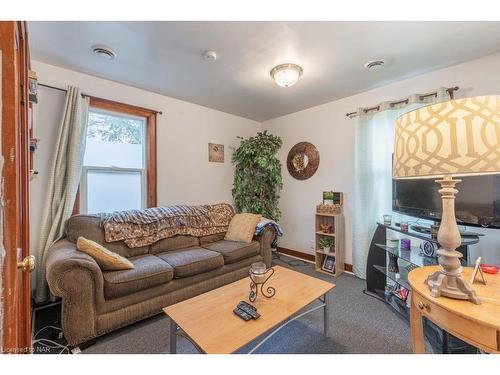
[[477, 202]]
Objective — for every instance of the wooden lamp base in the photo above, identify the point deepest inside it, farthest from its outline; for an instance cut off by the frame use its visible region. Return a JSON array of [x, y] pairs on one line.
[[451, 286], [448, 281]]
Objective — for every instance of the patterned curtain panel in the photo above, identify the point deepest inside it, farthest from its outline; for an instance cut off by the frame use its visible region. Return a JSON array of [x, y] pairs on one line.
[[63, 180], [373, 168]]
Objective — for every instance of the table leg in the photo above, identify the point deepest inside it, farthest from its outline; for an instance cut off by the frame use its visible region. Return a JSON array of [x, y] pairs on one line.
[[417, 329], [326, 314], [444, 344], [173, 336]]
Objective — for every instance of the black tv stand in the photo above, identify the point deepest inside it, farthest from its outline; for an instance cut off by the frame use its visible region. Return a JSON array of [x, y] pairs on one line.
[[420, 228], [424, 229], [378, 275]]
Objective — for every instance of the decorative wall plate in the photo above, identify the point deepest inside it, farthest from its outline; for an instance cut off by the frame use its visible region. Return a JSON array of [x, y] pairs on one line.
[[303, 160]]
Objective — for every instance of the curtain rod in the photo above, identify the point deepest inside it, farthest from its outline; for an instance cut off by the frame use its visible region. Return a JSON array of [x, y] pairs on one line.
[[90, 96], [450, 90]]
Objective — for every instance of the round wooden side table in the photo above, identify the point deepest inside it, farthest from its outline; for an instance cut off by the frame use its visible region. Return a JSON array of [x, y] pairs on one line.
[[478, 325]]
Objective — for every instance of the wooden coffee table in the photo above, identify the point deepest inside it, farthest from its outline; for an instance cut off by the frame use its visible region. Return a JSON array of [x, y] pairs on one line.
[[209, 323]]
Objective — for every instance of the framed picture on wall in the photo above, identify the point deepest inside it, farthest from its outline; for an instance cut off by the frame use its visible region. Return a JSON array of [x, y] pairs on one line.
[[215, 153]]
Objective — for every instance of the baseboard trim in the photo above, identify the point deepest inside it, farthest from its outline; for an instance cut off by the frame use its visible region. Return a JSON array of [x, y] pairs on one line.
[[306, 256], [296, 254]]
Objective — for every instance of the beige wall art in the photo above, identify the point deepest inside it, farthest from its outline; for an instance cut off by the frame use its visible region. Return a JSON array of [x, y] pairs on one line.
[[215, 153]]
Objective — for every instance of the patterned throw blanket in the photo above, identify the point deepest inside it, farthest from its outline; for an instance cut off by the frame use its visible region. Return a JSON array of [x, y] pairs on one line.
[[143, 227], [263, 224]]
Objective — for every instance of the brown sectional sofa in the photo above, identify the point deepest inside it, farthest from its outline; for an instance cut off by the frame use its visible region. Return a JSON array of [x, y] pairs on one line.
[[95, 302]]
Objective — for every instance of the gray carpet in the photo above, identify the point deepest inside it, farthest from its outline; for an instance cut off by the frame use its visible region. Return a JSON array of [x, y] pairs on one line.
[[360, 324]]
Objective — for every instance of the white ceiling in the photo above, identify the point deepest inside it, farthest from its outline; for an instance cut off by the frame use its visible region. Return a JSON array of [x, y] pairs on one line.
[[165, 57]]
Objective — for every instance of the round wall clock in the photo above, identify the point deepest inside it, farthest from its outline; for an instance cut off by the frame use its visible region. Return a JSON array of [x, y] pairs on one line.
[[303, 160]]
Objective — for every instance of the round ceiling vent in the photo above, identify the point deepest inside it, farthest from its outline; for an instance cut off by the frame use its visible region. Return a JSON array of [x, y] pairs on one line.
[[104, 52], [374, 64]]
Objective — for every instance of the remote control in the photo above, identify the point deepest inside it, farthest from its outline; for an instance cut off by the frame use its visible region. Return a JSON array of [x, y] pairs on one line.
[[249, 309], [243, 315], [248, 304]]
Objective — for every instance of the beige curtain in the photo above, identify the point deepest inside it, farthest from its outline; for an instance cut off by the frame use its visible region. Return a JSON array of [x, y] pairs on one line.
[[374, 144], [63, 180]]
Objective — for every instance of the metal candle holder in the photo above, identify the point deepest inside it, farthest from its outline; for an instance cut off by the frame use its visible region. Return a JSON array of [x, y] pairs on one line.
[[260, 279]]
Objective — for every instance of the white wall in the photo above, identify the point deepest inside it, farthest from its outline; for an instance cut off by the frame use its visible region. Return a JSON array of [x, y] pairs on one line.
[[328, 128], [183, 133]]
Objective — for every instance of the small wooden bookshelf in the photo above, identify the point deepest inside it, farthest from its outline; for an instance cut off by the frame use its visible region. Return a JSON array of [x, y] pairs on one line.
[[325, 234], [336, 221]]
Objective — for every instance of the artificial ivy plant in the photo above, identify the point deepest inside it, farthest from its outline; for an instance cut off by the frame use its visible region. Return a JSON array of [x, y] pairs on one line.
[[257, 177]]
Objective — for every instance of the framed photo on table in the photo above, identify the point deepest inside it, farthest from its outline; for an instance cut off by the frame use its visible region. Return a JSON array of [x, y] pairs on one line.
[[329, 264], [328, 197], [333, 198]]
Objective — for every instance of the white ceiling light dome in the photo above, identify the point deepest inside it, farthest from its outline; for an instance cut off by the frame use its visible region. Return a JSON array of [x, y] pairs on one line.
[[286, 75]]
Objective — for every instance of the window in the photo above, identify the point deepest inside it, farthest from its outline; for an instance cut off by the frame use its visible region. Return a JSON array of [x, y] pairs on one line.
[[119, 167]]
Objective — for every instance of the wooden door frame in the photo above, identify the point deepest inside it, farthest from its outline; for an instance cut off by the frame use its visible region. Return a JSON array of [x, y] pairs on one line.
[[15, 181]]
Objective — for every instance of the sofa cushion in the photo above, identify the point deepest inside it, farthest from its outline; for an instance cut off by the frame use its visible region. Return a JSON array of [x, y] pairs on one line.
[[204, 240], [233, 251], [242, 227], [174, 243], [107, 260], [88, 226], [192, 261], [149, 271]]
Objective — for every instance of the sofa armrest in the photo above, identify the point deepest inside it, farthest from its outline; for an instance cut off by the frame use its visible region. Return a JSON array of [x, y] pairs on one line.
[[77, 279], [266, 239], [63, 259]]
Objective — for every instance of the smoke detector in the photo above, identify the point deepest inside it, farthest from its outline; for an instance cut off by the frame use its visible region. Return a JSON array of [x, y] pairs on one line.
[[374, 64], [209, 55], [104, 52]]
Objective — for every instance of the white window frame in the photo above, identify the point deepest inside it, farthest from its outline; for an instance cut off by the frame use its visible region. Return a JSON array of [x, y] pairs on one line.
[[113, 169]]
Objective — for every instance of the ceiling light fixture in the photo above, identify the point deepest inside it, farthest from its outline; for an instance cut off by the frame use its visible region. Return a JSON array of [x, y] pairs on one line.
[[104, 52], [374, 64], [286, 75]]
